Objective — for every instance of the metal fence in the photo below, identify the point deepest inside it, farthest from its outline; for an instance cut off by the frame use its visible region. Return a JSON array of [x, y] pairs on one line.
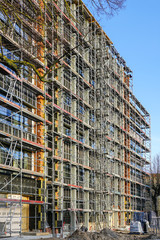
[[155, 224]]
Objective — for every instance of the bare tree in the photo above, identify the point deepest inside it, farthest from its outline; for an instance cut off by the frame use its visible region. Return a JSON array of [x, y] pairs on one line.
[[108, 7], [12, 14], [155, 180], [8, 9]]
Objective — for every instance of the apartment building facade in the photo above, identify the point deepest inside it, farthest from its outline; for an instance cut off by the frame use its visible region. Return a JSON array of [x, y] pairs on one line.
[[74, 148]]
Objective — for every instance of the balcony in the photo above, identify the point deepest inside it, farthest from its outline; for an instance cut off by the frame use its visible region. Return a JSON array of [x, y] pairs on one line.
[[28, 97], [6, 159], [19, 40], [67, 108], [13, 131]]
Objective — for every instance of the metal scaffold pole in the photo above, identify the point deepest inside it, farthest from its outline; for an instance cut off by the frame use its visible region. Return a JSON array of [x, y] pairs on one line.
[[74, 139]]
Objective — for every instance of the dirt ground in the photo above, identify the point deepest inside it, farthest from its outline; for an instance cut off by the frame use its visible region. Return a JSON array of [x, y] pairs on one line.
[[107, 234]]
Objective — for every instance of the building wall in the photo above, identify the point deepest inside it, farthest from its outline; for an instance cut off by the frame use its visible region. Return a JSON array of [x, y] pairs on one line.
[[75, 147]]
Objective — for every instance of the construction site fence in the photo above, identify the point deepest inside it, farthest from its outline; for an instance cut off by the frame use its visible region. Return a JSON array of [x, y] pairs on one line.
[[155, 224]]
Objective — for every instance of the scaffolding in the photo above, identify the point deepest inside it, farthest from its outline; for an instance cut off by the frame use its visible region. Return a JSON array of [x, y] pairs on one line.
[[74, 150], [123, 140]]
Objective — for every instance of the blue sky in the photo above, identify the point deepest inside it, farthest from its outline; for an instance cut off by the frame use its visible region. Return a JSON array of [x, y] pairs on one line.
[[135, 32]]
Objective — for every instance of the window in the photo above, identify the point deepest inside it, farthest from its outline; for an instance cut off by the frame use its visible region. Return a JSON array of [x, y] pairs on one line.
[[67, 131], [93, 83], [68, 60], [92, 117], [67, 100], [17, 28], [111, 131], [81, 139], [3, 17], [81, 109], [81, 72], [81, 174]]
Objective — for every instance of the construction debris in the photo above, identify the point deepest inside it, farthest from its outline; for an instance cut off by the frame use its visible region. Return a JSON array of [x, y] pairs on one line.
[[105, 234]]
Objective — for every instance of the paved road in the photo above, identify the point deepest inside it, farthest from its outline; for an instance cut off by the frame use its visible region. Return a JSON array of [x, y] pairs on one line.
[[26, 237]]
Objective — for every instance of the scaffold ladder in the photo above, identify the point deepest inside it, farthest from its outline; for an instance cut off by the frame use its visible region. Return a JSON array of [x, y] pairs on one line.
[[10, 154], [11, 89]]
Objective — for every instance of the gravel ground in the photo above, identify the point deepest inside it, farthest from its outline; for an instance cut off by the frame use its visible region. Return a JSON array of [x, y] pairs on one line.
[[105, 234]]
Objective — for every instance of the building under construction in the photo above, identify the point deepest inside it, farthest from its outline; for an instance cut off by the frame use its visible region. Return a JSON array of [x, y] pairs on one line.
[[75, 148]]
